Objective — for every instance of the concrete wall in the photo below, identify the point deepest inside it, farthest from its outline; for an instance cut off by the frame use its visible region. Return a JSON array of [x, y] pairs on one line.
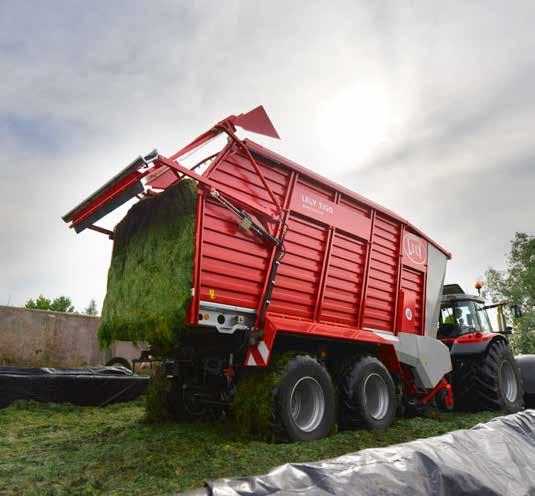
[[39, 338]]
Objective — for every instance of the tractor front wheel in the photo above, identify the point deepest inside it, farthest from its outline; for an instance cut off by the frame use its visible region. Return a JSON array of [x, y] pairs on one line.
[[491, 381]]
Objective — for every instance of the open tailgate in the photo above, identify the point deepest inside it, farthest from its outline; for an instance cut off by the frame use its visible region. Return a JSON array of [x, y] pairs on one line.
[[114, 193]]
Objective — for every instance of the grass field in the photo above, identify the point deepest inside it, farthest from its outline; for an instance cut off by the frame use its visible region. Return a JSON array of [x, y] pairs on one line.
[[67, 450]]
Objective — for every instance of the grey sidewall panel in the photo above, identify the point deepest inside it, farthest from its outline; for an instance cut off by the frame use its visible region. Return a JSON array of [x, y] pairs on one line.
[[436, 271], [430, 358]]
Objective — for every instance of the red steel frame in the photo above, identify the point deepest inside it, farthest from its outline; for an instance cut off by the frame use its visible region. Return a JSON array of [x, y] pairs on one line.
[[248, 175]]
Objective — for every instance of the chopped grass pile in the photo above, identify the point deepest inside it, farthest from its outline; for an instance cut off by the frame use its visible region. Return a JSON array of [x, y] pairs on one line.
[[157, 407], [151, 271], [252, 405]]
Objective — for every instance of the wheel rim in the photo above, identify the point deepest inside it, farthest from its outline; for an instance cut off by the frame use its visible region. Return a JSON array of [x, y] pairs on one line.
[[508, 380], [376, 396], [307, 402]]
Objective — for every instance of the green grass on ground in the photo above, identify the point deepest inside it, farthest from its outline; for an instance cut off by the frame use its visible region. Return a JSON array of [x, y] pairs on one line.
[[48, 449]]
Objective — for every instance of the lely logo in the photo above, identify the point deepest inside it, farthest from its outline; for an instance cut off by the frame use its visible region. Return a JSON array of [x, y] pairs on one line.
[[415, 249], [320, 207]]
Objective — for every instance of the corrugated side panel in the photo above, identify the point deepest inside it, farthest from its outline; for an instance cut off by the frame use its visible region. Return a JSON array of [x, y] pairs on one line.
[[343, 282], [234, 263], [382, 275], [299, 274], [412, 281], [237, 174]]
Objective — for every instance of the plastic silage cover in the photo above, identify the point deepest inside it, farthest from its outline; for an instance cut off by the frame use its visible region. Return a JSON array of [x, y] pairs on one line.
[[492, 459], [97, 386], [151, 271]]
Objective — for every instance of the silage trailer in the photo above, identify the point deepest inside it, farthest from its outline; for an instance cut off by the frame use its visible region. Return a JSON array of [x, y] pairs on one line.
[[286, 261]]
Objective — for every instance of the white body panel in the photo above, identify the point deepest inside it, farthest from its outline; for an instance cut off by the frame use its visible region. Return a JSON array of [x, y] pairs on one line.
[[429, 357], [436, 270]]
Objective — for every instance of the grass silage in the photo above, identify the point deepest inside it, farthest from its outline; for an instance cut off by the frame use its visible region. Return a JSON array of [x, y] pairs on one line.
[[66, 450], [151, 271], [252, 405]]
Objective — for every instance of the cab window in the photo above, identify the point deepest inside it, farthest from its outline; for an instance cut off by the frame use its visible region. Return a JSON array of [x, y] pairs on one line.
[[462, 317], [484, 319]]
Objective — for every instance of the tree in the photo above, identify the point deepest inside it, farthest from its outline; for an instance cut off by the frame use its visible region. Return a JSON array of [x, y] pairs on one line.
[[517, 285], [40, 303], [59, 304], [91, 308]]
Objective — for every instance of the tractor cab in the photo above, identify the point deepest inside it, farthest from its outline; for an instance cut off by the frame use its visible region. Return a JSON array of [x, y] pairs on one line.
[[462, 314]]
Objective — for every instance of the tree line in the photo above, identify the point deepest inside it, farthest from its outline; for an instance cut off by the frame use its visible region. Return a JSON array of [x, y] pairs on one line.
[[60, 304], [516, 284]]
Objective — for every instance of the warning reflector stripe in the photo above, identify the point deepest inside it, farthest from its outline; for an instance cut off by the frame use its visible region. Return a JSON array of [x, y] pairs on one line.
[[263, 350], [258, 355]]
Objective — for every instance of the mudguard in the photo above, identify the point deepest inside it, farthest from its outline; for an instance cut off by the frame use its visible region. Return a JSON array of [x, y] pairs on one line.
[[461, 347]]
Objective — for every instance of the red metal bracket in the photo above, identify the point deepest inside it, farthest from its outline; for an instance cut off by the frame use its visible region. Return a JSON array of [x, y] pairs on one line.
[[233, 136], [443, 384], [210, 185], [127, 184]]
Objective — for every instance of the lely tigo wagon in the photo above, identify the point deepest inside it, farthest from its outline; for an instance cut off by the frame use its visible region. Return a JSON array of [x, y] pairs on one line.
[[281, 260]]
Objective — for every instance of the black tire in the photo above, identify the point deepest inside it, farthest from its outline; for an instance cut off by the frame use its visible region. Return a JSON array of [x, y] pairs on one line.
[[526, 365], [367, 395], [490, 381], [304, 400], [119, 361]]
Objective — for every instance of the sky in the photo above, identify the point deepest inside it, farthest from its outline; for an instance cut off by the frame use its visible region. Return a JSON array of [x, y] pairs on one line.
[[425, 107]]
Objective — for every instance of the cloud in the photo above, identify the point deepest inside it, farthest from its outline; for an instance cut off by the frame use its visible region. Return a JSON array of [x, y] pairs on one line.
[[427, 111]]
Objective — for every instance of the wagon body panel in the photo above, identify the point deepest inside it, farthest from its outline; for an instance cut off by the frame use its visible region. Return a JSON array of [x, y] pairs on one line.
[[349, 265]]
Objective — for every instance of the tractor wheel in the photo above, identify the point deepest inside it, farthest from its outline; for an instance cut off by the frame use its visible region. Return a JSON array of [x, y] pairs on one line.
[[367, 395], [491, 381], [123, 362], [304, 400]]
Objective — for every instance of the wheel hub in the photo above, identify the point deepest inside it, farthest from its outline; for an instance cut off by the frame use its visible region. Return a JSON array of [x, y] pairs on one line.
[[376, 396], [508, 382], [307, 403]]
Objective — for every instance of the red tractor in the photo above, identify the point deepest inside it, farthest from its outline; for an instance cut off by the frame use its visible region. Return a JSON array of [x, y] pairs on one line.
[[287, 261], [485, 373]]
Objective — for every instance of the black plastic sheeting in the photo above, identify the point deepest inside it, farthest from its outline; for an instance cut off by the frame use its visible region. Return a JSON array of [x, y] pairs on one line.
[[97, 386], [492, 459]]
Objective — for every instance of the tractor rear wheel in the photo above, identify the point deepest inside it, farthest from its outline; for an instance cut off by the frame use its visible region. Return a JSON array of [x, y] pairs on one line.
[[490, 381], [304, 400], [367, 394]]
